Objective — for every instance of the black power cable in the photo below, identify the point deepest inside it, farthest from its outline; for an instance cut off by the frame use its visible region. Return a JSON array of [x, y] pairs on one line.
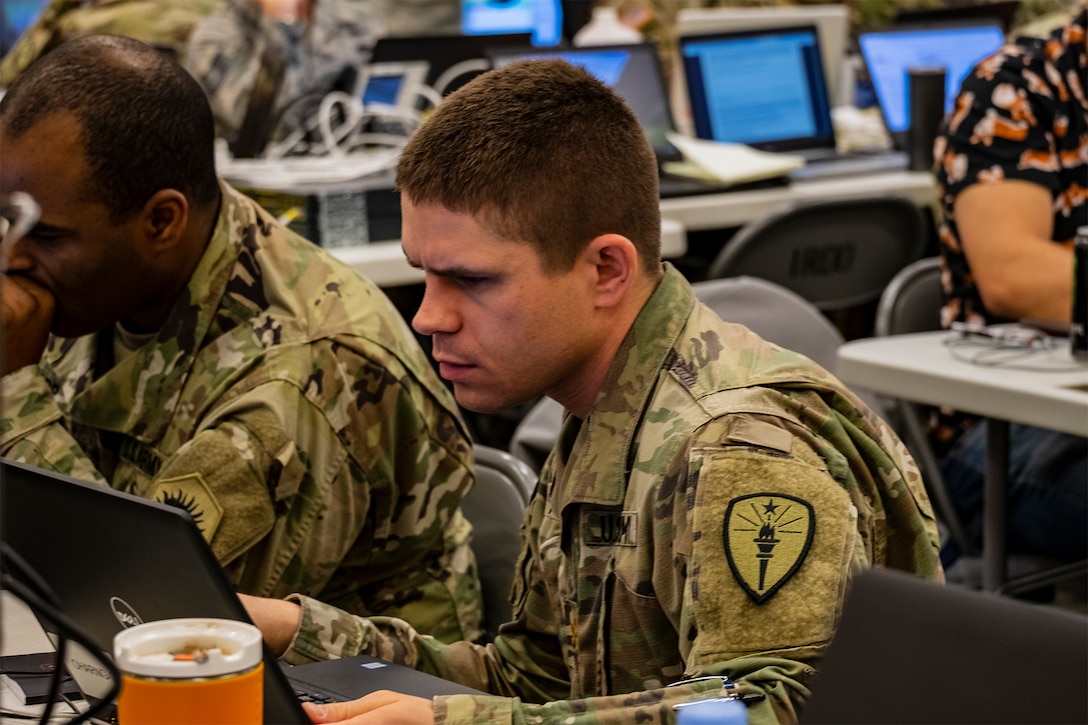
[[34, 591]]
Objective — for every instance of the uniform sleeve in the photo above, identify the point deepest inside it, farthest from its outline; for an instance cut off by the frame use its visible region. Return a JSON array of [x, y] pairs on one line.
[[759, 633], [32, 428]]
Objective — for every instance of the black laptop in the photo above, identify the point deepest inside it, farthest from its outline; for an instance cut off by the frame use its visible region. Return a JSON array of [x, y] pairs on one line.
[[766, 88], [452, 60], [910, 651], [116, 560]]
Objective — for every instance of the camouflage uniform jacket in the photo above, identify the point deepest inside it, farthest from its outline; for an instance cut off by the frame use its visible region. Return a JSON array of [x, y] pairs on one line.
[[705, 519], [226, 49], [288, 407], [162, 23]]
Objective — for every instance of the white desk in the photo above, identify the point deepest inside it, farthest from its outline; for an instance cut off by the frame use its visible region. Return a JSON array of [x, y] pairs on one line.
[[1048, 389], [736, 208]]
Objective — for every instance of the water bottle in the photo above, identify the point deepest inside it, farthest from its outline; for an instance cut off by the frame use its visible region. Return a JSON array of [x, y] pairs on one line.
[[715, 711]]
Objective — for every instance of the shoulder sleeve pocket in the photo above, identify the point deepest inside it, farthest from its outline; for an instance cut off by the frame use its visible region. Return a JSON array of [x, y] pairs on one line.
[[774, 539]]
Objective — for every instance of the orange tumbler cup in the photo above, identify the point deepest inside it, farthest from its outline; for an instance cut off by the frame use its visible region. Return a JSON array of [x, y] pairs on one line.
[[190, 672]]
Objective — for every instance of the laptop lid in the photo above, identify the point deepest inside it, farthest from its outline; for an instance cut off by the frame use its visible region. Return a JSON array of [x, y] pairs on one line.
[[764, 88], [888, 55], [832, 23], [115, 560], [452, 60], [910, 651], [632, 70]]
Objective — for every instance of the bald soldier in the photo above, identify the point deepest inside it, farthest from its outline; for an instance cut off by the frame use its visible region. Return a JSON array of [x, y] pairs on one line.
[[203, 355], [710, 494]]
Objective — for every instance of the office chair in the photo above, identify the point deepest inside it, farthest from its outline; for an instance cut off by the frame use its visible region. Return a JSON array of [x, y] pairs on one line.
[[837, 253], [771, 311], [495, 508], [912, 303]]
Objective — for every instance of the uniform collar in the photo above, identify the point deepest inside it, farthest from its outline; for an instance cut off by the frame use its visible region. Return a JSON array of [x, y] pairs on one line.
[[139, 395], [601, 455]]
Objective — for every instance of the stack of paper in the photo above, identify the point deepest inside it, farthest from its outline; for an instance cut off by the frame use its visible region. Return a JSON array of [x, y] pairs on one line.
[[729, 162]]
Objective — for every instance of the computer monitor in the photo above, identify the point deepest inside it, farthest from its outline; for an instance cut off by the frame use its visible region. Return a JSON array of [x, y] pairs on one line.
[[542, 18], [452, 60]]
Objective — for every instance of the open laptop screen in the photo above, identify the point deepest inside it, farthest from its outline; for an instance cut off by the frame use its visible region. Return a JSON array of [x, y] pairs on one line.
[[764, 88], [632, 71], [888, 54]]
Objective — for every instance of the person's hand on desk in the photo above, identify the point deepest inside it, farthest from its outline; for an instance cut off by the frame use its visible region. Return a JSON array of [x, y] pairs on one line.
[[26, 315], [378, 708]]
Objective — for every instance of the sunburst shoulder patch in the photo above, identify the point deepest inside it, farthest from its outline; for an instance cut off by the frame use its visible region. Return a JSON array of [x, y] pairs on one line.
[[767, 537], [192, 494]]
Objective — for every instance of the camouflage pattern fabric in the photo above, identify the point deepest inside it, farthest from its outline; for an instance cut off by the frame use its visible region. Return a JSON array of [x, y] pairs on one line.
[[225, 50], [704, 520], [287, 406], [162, 23]]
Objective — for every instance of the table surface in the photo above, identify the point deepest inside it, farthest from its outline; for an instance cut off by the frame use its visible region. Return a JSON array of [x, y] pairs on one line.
[[1046, 387]]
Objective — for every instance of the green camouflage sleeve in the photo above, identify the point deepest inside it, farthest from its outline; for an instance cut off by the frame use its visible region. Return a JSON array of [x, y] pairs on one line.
[[326, 632], [32, 428], [163, 23], [270, 482]]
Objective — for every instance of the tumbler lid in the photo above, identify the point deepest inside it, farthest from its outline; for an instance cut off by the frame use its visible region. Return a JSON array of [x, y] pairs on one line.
[[188, 648]]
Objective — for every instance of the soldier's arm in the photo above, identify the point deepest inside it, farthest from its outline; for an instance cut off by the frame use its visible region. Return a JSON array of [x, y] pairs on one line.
[[33, 430]]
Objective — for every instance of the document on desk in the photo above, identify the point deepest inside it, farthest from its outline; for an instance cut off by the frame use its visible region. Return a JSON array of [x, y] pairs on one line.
[[732, 162]]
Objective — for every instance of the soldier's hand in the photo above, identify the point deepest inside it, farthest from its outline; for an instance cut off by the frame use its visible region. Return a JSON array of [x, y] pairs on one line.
[[277, 619], [26, 314], [383, 706]]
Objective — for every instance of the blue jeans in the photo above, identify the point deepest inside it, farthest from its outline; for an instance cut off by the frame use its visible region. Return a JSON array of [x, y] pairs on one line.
[[1047, 491]]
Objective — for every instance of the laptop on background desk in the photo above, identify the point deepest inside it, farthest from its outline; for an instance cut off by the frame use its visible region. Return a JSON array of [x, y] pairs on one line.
[[452, 60], [634, 72], [111, 556], [889, 53], [766, 88]]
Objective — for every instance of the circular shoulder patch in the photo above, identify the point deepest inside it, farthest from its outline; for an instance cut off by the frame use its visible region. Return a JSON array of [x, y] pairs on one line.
[[766, 537]]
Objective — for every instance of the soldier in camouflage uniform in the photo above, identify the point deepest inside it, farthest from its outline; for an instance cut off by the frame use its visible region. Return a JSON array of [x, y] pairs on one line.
[[162, 23], [710, 495], [205, 356], [322, 50]]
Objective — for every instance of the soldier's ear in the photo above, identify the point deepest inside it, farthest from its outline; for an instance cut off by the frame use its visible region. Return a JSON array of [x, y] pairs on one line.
[[615, 262], [164, 220]]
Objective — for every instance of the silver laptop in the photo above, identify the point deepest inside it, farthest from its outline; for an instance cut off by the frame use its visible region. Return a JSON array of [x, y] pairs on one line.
[[766, 88], [116, 560]]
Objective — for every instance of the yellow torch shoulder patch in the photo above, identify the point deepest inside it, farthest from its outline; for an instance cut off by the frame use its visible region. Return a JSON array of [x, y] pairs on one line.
[[767, 537], [192, 494]]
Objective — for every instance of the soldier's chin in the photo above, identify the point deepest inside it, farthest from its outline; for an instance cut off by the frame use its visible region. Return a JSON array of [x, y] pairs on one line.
[[479, 401]]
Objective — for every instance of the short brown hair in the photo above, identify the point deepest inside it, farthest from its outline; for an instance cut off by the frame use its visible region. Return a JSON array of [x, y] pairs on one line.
[[540, 151]]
